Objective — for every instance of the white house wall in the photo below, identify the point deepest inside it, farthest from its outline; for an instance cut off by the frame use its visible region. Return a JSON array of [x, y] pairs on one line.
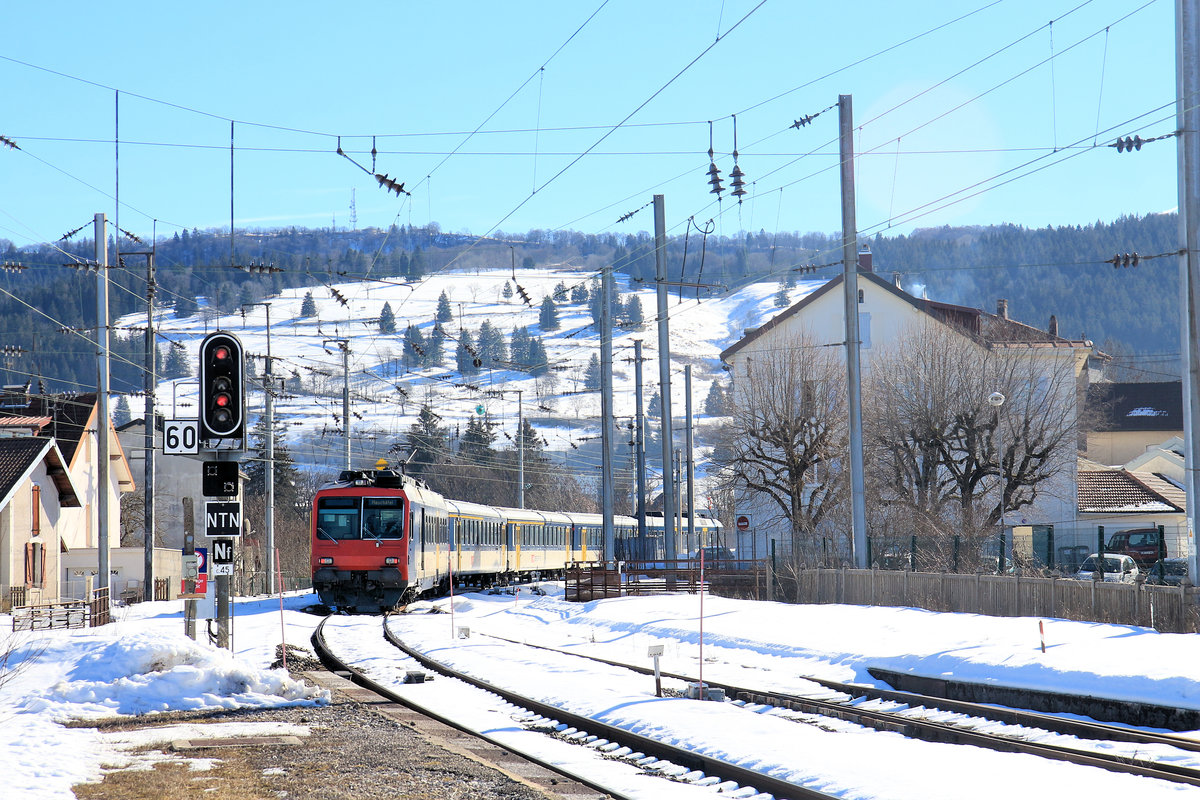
[[885, 318]]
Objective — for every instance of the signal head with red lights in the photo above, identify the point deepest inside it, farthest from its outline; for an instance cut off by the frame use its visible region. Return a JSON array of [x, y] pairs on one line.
[[222, 397]]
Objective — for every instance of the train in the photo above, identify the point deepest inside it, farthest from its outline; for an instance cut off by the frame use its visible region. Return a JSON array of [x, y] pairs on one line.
[[381, 539]]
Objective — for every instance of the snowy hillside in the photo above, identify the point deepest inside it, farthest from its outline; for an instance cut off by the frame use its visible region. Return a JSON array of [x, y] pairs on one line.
[[386, 394]]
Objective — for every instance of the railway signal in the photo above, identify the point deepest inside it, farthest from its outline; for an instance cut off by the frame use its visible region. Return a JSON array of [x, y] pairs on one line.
[[222, 397]]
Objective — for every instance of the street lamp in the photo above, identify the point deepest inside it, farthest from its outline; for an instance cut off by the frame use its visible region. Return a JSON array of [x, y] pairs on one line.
[[995, 400]]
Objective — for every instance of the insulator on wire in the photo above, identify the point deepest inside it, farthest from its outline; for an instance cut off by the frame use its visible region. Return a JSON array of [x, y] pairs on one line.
[[7, 142], [714, 178], [1129, 143], [1124, 260], [391, 185], [738, 184]]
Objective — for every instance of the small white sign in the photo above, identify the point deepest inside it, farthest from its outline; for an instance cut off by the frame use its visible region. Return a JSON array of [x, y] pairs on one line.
[[215, 569], [181, 437]]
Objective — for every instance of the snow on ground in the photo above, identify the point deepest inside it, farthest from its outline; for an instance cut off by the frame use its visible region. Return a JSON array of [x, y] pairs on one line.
[[140, 664], [143, 664]]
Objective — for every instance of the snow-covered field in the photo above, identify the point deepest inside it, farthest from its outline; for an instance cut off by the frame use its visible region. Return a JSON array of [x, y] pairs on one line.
[[143, 664], [386, 395]]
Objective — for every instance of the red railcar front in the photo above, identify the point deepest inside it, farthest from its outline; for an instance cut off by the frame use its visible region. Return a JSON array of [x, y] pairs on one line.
[[360, 544]]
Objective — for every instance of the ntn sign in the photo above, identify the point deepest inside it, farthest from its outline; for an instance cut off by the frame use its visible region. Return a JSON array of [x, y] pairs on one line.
[[222, 519]]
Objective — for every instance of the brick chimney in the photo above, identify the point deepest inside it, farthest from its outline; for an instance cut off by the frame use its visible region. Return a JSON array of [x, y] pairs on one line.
[[1052, 328], [1002, 309], [864, 259]]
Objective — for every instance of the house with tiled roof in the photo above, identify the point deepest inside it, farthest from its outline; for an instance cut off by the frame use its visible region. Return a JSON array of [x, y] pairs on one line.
[[1145, 492], [1129, 417], [888, 314], [71, 422], [36, 491]]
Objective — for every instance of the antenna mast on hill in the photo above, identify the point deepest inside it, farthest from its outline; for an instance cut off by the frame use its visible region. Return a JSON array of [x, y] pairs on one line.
[[353, 212]]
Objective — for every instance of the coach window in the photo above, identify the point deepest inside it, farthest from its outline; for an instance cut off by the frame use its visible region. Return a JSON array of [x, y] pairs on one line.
[[383, 517], [338, 518]]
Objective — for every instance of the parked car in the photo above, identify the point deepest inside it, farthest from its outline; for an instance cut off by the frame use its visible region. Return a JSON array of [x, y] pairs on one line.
[[1169, 571], [714, 555], [1140, 544], [1116, 568]]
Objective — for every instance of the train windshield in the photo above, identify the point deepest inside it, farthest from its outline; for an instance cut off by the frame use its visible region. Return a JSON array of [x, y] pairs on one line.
[[341, 518]]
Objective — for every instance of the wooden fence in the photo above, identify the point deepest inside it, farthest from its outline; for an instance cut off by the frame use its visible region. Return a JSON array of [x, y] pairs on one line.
[[1170, 609], [67, 614]]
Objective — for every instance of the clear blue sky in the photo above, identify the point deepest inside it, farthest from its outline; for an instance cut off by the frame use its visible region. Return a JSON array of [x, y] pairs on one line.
[[993, 116]]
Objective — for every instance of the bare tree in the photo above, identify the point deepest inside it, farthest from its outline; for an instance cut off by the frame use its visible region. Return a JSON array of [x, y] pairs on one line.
[[937, 447], [787, 434]]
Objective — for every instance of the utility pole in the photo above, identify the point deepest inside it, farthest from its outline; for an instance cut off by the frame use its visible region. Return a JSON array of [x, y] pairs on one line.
[[269, 466], [606, 413], [520, 450], [664, 375], [1187, 115], [858, 512], [344, 345], [640, 440], [102, 416], [189, 549], [150, 383], [691, 464]]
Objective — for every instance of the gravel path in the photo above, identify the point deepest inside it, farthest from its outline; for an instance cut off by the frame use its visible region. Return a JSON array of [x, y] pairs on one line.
[[353, 752]]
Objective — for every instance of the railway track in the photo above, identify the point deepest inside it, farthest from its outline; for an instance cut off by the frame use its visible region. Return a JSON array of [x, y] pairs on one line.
[[652, 756], [901, 718]]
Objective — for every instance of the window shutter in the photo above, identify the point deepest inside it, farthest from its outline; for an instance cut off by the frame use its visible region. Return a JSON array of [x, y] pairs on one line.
[[40, 549], [29, 563], [36, 514]]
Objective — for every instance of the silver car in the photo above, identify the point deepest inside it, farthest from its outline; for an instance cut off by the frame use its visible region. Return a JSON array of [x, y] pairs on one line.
[[1116, 567]]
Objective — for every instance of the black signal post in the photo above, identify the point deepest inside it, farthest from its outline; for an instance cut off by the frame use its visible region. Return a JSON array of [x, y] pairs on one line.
[[222, 395]]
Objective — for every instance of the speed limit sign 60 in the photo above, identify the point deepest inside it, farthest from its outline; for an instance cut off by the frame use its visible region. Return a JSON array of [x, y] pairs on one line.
[[181, 437]]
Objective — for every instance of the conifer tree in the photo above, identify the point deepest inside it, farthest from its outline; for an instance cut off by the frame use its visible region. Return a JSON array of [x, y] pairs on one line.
[[425, 445], [121, 412], [387, 319], [631, 312], [538, 360], [591, 375], [518, 346], [464, 358], [491, 345], [548, 317], [177, 364], [416, 353], [444, 312], [287, 477], [308, 308]]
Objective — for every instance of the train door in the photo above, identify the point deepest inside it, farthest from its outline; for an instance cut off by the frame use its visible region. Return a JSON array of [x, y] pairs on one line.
[[510, 534], [422, 527]]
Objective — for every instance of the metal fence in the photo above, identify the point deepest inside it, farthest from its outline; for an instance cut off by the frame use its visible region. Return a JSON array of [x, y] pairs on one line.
[[729, 578]]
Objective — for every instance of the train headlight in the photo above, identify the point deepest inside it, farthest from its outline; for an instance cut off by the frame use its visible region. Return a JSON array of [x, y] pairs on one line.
[[325, 561], [391, 561]]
